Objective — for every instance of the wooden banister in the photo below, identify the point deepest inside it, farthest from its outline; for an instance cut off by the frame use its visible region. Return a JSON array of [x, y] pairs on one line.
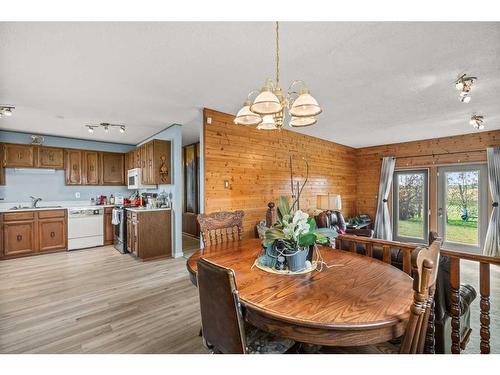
[[484, 261]]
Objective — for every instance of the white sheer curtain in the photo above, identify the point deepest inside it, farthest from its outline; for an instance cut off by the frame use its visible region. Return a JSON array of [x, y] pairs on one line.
[[383, 228], [492, 243]]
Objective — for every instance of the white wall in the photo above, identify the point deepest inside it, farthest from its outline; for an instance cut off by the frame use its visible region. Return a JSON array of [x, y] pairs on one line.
[[173, 134]]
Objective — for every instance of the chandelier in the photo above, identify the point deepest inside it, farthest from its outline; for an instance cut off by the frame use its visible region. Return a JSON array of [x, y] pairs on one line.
[[271, 107]]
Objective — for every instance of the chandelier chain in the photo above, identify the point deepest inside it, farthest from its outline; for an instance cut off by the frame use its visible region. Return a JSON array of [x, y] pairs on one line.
[[277, 54]]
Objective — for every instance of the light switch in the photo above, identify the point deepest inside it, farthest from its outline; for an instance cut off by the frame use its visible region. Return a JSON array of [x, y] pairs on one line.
[[77, 194], [209, 120], [226, 184]]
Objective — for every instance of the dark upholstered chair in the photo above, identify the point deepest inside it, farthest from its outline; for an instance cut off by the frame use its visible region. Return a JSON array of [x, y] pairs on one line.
[[335, 220], [223, 326]]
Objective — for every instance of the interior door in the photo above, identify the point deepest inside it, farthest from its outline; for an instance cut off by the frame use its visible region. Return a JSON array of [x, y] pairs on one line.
[[462, 206]]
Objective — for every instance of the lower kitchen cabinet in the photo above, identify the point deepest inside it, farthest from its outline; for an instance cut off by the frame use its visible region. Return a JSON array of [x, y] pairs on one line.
[[149, 234], [108, 226], [52, 230], [33, 232]]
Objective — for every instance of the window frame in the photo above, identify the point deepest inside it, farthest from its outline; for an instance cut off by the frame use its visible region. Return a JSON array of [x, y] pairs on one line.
[[395, 205]]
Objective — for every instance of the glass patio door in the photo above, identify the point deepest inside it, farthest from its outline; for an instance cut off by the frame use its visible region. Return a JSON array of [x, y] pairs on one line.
[[462, 206], [410, 213]]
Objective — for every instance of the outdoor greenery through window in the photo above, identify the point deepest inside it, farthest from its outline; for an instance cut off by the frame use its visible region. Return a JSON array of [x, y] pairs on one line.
[[410, 206], [462, 207]]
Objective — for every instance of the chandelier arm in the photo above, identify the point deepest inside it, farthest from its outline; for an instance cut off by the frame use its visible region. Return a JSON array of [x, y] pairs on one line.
[[296, 82], [252, 93]]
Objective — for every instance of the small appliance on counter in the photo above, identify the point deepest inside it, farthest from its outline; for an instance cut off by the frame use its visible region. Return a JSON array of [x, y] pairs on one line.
[[134, 180]]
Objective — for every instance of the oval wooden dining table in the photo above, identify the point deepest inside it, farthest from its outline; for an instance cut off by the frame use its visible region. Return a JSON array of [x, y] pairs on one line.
[[356, 301]]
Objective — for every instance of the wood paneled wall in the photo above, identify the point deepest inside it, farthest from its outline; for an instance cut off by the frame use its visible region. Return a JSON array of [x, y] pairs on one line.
[[369, 163], [256, 165]]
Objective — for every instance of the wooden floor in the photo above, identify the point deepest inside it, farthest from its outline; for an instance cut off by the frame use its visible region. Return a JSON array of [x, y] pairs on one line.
[[97, 301], [101, 301]]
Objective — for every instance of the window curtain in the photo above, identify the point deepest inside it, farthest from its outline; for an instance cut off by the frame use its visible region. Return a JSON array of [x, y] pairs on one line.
[[383, 228], [492, 243]]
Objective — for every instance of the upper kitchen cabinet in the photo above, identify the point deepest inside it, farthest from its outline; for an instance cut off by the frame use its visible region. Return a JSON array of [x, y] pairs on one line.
[[112, 168], [73, 171], [49, 157], [156, 162], [90, 167], [18, 156]]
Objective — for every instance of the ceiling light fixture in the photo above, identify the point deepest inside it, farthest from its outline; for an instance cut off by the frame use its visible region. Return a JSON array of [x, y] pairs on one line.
[[271, 107], [6, 110], [106, 126], [464, 85], [477, 122]]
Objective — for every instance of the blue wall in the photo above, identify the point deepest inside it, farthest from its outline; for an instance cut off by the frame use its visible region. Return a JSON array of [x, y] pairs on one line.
[[49, 185], [174, 134]]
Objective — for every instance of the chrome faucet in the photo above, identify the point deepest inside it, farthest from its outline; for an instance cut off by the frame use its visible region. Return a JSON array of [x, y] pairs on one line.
[[34, 201]]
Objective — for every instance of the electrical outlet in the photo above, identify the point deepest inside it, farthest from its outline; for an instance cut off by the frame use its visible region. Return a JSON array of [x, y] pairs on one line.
[[77, 194], [209, 120]]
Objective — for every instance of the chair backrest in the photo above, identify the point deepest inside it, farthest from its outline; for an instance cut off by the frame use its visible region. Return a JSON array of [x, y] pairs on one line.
[[425, 264], [219, 227], [221, 318]]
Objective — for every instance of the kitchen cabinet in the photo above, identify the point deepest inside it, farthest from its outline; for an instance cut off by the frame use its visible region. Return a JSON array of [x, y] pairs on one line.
[[73, 170], [18, 156], [149, 234], [52, 230], [156, 162], [30, 232], [49, 157], [2, 167], [90, 168], [108, 226], [112, 168]]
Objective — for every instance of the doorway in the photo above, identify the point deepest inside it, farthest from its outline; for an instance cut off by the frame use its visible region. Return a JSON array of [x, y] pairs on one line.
[[462, 206]]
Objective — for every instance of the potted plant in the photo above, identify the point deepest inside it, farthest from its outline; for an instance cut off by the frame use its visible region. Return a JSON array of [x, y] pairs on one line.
[[295, 232]]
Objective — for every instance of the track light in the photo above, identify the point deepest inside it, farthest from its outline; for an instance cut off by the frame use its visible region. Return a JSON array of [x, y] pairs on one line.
[[477, 122], [6, 110], [464, 84], [106, 126]]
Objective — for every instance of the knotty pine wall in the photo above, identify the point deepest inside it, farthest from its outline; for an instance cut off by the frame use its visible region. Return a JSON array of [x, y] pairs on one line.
[[369, 163], [256, 164]]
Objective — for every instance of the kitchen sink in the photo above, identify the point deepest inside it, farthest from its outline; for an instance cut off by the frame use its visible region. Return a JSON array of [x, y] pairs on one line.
[[31, 208]]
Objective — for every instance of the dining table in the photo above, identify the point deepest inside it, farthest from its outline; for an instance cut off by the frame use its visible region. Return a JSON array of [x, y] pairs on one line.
[[349, 299]]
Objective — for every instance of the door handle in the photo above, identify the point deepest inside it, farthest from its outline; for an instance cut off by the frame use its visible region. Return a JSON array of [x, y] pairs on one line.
[[52, 234], [19, 237], [440, 212]]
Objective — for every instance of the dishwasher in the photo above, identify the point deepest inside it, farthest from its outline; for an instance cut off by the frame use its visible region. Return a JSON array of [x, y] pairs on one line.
[[85, 228]]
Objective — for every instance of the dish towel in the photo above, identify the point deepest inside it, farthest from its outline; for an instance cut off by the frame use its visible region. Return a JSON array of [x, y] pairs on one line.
[[115, 219]]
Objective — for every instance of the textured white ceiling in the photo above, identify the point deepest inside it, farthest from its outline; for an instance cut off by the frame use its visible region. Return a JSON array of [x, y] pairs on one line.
[[377, 82]]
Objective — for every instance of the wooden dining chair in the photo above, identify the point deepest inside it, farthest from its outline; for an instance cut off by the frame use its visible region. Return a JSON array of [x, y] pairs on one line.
[[222, 320], [219, 227], [425, 264]]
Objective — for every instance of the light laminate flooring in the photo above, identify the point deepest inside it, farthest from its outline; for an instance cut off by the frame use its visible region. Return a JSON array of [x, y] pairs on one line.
[[97, 301]]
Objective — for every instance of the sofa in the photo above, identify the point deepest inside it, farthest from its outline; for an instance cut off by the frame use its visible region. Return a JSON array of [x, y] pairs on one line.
[[442, 302]]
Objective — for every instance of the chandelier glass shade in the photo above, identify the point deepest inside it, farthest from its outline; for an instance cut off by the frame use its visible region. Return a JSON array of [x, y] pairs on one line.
[[271, 108]]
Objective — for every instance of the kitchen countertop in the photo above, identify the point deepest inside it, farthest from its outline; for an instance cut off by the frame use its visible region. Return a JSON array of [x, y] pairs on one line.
[[49, 205], [135, 209]]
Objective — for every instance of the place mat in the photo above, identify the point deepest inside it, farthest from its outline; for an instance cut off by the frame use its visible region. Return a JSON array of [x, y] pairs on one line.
[[285, 272]]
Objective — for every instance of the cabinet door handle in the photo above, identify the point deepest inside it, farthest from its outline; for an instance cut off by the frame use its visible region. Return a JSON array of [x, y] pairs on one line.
[[52, 234], [19, 237]]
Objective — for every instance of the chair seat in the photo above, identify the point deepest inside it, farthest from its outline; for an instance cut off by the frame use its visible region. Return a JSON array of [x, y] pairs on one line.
[[260, 342]]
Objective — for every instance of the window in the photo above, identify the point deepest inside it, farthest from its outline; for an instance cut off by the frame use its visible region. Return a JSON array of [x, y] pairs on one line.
[[410, 213], [462, 206]]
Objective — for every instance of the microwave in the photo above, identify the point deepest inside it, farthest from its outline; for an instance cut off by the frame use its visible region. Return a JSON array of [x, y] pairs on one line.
[[134, 180]]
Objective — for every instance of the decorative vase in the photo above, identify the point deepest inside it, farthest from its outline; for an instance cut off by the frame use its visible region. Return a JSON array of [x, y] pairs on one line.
[[297, 259], [269, 258]]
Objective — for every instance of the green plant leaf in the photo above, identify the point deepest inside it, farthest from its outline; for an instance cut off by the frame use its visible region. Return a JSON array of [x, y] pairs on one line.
[[283, 207], [307, 239], [327, 232], [312, 224]]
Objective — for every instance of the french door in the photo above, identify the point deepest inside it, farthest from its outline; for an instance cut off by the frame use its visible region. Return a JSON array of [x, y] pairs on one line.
[[462, 206], [410, 207]]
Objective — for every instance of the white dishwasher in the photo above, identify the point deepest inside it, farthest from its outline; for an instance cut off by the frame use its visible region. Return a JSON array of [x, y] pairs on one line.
[[85, 227]]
